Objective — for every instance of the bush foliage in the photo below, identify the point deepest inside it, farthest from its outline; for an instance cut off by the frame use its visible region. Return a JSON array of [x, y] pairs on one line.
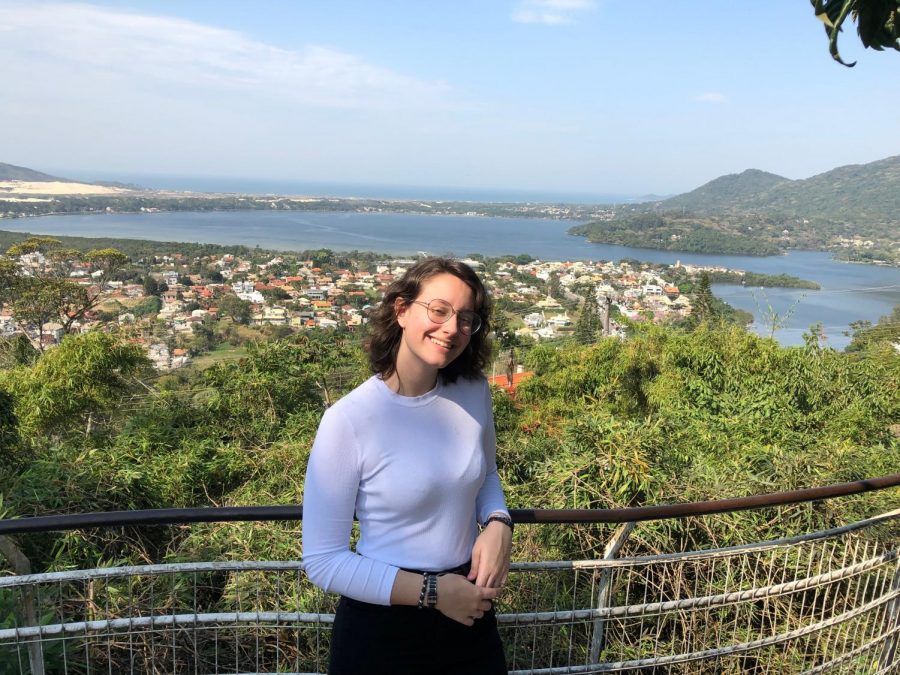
[[666, 416]]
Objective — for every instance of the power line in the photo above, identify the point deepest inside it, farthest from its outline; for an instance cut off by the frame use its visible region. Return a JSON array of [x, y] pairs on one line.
[[804, 291]]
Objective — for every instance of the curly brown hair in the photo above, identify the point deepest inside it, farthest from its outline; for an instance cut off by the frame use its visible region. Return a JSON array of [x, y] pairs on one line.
[[385, 333]]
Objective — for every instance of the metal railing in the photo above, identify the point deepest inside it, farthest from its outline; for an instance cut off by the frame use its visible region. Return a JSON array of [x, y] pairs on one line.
[[826, 601]]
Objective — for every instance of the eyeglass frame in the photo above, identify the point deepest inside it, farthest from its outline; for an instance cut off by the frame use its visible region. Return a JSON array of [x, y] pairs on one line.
[[476, 317]]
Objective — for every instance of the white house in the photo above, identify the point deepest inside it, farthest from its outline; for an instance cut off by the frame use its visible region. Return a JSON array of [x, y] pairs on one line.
[[534, 320], [560, 320]]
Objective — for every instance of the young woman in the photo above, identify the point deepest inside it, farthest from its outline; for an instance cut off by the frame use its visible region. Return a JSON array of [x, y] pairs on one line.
[[411, 452]]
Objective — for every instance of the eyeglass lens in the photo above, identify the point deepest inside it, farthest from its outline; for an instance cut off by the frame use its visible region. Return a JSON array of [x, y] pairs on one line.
[[440, 311]]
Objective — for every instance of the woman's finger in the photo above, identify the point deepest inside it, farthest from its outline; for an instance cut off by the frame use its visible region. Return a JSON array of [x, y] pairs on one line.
[[476, 559]]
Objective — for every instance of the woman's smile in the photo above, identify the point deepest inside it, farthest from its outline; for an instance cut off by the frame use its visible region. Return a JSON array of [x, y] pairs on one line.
[[441, 343]]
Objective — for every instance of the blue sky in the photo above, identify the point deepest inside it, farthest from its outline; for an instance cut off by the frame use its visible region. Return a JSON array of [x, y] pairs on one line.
[[577, 96]]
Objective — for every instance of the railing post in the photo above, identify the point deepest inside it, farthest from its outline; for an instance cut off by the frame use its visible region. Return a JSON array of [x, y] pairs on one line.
[[603, 588], [891, 621], [22, 566]]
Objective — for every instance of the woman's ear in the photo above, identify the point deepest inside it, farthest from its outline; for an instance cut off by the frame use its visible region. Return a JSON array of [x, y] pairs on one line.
[[401, 307]]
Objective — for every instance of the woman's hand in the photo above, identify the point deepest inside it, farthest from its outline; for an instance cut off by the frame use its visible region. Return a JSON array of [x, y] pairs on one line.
[[461, 601], [490, 556]]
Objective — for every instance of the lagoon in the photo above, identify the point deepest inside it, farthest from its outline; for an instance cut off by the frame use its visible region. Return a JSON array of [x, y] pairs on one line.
[[849, 291]]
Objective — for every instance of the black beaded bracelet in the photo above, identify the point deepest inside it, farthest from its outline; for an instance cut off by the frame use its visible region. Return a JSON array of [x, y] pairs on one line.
[[506, 520], [431, 595]]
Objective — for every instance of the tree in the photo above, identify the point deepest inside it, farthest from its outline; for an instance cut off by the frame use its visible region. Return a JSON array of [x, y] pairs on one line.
[[589, 322], [253, 397], [274, 295], [8, 279], [151, 286], [106, 260], [33, 245], [38, 302], [85, 378], [9, 426], [504, 334], [704, 303], [865, 335], [231, 305], [322, 257], [45, 294], [203, 337], [148, 306], [553, 285], [877, 22]]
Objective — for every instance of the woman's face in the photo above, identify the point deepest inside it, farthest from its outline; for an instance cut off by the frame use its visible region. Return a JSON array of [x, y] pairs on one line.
[[426, 344]]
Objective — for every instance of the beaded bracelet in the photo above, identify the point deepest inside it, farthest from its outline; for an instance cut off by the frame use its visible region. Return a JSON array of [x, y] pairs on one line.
[[500, 518], [421, 604], [431, 594]]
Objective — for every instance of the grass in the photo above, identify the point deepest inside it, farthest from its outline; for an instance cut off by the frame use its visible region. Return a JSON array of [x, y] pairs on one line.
[[224, 352]]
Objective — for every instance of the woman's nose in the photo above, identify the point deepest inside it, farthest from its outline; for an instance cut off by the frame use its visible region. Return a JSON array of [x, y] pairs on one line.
[[451, 325]]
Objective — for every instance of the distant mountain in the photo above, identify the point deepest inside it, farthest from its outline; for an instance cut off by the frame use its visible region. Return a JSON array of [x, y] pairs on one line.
[[650, 198], [862, 192], [12, 172], [857, 191], [726, 192], [117, 184]]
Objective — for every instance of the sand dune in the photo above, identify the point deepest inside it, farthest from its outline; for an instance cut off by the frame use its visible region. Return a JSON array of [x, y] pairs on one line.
[[24, 188]]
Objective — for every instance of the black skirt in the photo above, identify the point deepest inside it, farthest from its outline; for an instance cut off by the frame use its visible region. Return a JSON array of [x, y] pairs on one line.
[[401, 640]]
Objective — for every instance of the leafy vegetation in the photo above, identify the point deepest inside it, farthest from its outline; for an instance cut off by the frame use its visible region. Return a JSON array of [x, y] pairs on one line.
[[45, 294], [762, 280], [667, 415], [676, 232], [878, 23]]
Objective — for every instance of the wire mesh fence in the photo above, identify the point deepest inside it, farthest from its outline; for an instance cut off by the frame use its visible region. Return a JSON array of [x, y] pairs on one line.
[[827, 602]]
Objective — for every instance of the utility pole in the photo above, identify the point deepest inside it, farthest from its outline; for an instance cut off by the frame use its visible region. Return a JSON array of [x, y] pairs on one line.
[[606, 306]]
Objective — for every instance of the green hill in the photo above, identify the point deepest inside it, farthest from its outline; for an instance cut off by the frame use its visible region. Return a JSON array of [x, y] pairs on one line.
[[13, 172], [851, 210], [865, 192], [726, 192], [857, 192]]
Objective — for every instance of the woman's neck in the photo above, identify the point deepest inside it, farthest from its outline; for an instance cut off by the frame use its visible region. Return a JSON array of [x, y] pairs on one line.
[[411, 384]]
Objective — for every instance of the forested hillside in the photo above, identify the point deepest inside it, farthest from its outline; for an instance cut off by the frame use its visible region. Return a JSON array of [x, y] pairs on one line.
[[851, 210], [863, 192], [13, 172], [726, 193], [679, 232]]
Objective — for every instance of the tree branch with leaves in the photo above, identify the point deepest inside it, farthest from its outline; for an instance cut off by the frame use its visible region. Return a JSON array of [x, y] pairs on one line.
[[877, 22], [44, 293]]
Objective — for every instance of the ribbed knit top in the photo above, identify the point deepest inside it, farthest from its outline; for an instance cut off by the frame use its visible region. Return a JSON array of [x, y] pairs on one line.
[[420, 473]]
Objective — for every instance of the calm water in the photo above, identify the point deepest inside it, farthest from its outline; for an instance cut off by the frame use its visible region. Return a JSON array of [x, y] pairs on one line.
[[849, 292], [263, 186]]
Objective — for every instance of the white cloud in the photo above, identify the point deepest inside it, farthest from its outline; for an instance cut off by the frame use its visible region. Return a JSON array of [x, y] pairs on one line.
[[711, 97], [43, 42], [550, 12]]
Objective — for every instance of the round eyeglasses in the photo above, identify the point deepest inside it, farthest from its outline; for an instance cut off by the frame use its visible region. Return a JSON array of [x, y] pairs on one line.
[[440, 311]]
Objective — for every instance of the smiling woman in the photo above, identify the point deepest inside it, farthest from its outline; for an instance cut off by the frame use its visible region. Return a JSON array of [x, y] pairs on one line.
[[412, 452]]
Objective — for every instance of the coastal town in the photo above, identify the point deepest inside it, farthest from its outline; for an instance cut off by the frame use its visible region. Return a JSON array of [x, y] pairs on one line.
[[179, 307]]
